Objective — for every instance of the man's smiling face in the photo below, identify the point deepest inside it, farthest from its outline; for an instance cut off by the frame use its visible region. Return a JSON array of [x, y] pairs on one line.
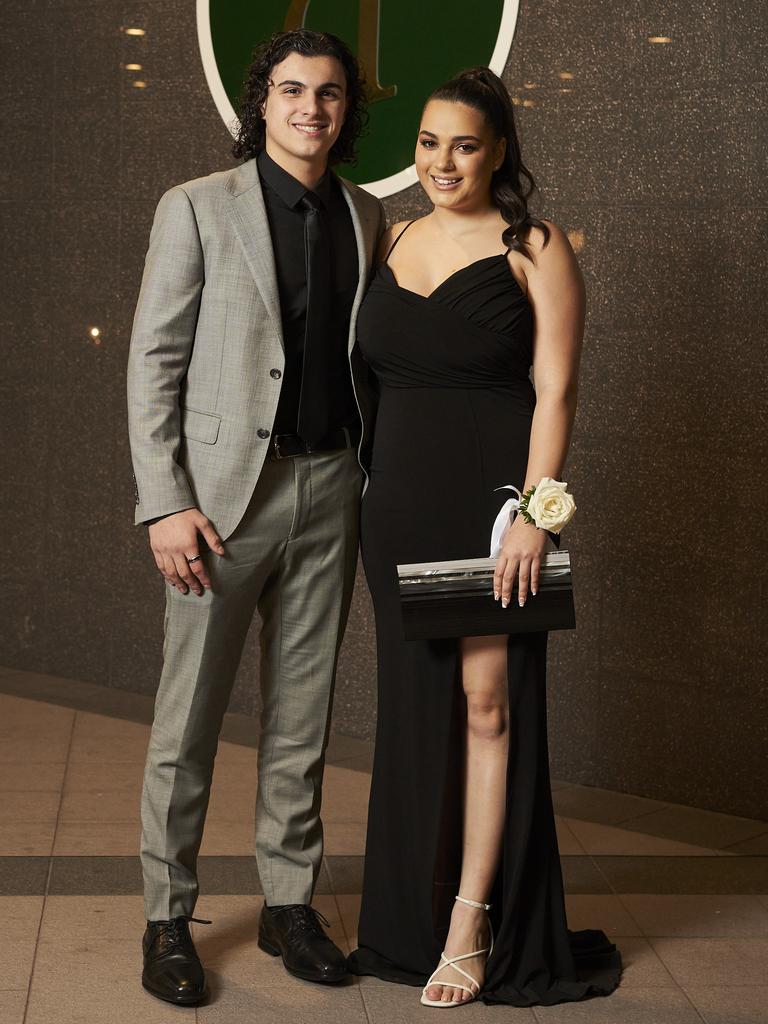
[[305, 109]]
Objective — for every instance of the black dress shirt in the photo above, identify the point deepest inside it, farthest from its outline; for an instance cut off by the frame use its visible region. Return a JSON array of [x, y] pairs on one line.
[[282, 198]]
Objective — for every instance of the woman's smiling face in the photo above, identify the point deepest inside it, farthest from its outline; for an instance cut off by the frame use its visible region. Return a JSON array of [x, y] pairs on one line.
[[456, 155]]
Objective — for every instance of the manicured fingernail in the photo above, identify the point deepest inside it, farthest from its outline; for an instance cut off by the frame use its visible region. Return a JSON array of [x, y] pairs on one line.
[[533, 592], [504, 602], [521, 603], [496, 595]]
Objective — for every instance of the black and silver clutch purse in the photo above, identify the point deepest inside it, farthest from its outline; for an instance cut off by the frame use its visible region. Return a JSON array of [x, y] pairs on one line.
[[453, 599]]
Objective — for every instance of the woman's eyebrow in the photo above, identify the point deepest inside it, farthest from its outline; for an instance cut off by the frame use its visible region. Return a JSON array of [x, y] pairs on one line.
[[456, 138]]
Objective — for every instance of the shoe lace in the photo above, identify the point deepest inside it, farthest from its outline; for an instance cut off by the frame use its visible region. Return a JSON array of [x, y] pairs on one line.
[[306, 917], [175, 931]]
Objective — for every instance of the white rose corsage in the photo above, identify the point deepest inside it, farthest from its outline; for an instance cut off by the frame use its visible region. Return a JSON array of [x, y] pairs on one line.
[[547, 504]]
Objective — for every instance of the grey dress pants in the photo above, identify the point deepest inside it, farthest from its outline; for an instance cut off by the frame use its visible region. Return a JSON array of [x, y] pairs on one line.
[[292, 558]]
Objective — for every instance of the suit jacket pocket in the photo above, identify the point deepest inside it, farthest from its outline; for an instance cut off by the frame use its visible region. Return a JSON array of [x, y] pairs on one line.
[[200, 426]]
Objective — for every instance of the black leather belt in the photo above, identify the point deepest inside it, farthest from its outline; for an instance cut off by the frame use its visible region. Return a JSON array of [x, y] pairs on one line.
[[287, 446]]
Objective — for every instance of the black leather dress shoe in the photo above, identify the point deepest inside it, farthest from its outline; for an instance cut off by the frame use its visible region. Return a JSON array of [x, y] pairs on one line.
[[172, 969], [294, 933]]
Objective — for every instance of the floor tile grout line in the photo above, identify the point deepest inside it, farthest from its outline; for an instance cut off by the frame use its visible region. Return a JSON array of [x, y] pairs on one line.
[[49, 872], [629, 913], [602, 874], [349, 945], [676, 984], [581, 852], [361, 990], [364, 1005], [647, 939], [687, 807], [687, 998], [341, 919], [645, 814], [752, 984], [759, 835]]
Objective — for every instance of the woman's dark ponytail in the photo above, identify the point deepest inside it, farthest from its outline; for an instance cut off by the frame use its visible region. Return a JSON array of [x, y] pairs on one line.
[[512, 184]]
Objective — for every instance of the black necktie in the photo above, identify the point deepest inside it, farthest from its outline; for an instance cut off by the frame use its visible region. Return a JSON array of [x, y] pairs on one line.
[[313, 401]]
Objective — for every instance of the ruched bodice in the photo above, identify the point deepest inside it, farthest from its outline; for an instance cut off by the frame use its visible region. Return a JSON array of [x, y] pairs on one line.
[[475, 330]]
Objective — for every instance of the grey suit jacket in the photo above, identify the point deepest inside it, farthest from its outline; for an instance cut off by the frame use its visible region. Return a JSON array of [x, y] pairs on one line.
[[206, 335]]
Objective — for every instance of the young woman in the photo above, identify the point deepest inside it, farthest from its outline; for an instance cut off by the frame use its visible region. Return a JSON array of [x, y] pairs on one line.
[[462, 859]]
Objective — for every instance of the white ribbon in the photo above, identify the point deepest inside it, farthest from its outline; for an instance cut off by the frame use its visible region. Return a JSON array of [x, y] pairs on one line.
[[504, 518]]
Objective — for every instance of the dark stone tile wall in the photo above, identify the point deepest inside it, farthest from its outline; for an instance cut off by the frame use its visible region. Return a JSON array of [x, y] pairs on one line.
[[653, 157]]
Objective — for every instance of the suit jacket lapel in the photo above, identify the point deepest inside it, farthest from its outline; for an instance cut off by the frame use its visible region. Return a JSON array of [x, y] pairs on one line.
[[362, 229], [249, 219]]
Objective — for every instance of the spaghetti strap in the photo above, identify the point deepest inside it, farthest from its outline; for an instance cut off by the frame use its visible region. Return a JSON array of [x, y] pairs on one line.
[[397, 240]]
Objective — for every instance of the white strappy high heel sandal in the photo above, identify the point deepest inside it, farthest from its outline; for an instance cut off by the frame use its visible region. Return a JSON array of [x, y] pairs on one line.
[[452, 961]]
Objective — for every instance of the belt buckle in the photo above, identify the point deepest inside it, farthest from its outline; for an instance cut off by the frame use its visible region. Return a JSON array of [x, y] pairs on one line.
[[279, 454], [276, 449]]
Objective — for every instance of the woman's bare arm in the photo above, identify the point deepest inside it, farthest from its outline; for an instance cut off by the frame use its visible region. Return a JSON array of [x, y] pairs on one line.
[[557, 295]]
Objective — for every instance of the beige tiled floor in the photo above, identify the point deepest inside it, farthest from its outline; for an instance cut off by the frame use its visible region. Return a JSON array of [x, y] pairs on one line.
[[594, 838], [70, 784], [88, 945]]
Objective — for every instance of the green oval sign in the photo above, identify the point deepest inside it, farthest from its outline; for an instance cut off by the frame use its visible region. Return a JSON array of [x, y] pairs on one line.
[[406, 49]]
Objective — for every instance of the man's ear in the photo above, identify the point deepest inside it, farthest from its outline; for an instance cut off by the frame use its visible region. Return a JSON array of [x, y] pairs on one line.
[[263, 104]]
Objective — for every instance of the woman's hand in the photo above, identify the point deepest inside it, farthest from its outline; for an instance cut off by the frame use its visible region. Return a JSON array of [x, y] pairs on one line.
[[522, 547]]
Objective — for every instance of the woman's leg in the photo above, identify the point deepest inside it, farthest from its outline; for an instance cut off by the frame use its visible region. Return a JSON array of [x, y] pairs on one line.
[[484, 679]]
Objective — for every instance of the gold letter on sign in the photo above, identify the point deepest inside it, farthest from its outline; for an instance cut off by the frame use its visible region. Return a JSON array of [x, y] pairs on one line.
[[297, 12], [368, 42], [368, 45]]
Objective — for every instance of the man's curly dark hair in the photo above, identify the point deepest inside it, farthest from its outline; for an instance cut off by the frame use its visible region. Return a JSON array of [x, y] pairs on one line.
[[250, 137]]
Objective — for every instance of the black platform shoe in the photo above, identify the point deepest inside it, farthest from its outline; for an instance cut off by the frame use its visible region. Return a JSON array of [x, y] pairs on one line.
[[294, 933], [172, 968]]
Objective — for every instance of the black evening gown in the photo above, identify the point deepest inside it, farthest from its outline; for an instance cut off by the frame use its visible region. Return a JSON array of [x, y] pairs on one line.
[[453, 423]]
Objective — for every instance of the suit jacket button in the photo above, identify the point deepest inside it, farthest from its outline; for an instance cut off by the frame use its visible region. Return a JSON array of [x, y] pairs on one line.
[[275, 374], [262, 433]]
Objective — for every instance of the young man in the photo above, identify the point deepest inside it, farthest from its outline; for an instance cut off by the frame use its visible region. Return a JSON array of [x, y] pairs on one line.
[[245, 398]]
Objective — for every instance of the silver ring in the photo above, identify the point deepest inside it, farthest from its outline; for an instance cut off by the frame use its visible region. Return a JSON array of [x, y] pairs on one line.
[[195, 559]]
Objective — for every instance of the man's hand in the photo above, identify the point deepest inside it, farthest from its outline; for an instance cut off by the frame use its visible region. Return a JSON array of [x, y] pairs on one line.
[[174, 544]]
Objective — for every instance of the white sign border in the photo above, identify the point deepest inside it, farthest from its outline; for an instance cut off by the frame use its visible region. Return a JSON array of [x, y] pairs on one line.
[[384, 186]]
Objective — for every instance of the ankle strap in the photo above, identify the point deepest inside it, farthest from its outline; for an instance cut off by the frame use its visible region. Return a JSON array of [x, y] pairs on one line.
[[474, 903]]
